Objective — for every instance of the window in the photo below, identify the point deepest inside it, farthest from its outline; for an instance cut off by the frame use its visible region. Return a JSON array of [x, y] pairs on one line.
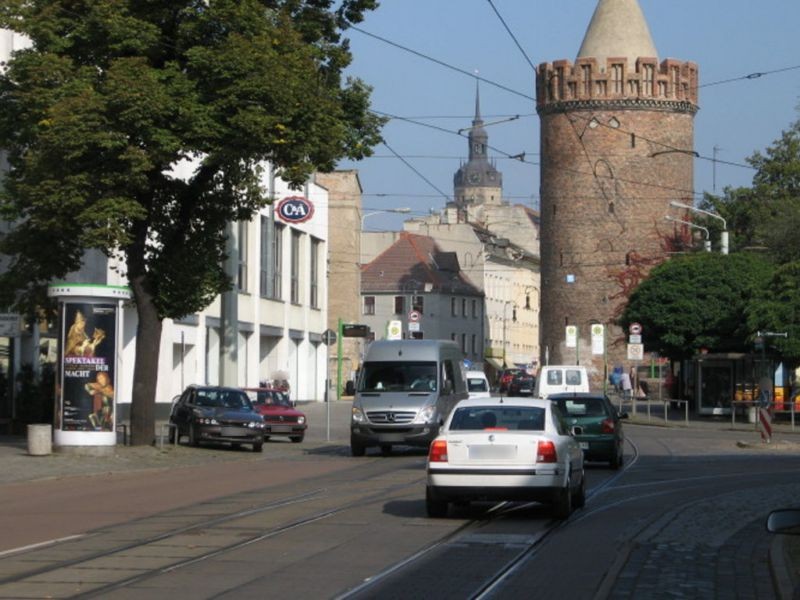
[[417, 304], [464, 343], [474, 346], [464, 307], [399, 305], [263, 274], [295, 266], [313, 295], [474, 309], [277, 260], [616, 77], [369, 305], [241, 275], [453, 307]]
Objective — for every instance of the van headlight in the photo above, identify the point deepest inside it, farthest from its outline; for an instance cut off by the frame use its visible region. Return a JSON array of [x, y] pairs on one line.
[[358, 416], [426, 415]]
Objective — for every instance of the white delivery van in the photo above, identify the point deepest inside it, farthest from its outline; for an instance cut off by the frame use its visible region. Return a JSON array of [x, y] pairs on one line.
[[405, 390], [478, 385], [556, 379]]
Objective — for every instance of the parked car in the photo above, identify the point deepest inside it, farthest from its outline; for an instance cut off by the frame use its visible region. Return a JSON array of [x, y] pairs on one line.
[[216, 414], [601, 437], [506, 375], [280, 416], [505, 449], [478, 385], [522, 384]]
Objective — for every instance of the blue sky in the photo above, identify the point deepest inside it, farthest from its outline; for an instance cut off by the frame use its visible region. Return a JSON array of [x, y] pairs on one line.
[[729, 39]]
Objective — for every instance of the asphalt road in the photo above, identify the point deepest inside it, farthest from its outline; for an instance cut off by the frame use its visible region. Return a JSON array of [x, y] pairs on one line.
[[684, 519]]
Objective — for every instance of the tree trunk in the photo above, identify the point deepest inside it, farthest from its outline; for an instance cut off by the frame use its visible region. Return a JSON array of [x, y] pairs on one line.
[[145, 369]]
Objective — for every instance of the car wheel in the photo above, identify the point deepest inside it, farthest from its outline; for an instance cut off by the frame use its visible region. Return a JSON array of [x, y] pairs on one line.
[[171, 435], [617, 461], [258, 446], [436, 509], [386, 449], [357, 449], [579, 501], [562, 507], [192, 436], [297, 439]]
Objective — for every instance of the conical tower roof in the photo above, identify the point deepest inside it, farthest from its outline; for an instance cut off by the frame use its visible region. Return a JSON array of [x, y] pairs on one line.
[[618, 28]]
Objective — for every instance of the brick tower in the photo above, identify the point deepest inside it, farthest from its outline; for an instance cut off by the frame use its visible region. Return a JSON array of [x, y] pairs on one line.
[[617, 139]]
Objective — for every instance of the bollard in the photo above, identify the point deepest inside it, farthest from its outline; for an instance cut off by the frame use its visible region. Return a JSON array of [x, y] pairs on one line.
[[40, 440]]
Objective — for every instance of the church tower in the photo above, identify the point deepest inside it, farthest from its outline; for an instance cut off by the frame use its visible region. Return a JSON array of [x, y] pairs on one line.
[[617, 139], [477, 181]]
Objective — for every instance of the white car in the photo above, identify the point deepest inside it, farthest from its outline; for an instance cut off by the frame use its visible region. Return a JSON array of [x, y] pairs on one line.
[[505, 449], [478, 385]]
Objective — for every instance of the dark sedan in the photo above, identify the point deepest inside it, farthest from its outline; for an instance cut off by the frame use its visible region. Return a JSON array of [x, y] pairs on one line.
[[522, 384], [216, 414], [601, 438]]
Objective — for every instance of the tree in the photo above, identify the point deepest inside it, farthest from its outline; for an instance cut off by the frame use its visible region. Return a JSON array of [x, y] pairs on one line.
[[114, 94], [768, 214], [697, 301], [777, 308]]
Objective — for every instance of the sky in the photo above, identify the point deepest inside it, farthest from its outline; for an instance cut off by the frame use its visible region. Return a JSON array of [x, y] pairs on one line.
[[430, 101]]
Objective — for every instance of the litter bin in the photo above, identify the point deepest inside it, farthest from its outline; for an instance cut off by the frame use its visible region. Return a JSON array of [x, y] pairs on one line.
[[40, 440], [751, 414]]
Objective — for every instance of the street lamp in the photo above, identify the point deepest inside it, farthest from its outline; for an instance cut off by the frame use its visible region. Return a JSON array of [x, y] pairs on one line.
[[707, 243], [403, 210], [723, 237]]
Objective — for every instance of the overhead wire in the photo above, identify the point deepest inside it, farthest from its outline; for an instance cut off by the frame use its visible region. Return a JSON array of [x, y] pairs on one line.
[[511, 33]]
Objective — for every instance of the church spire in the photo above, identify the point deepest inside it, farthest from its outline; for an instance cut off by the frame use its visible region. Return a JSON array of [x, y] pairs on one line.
[[618, 29], [477, 120]]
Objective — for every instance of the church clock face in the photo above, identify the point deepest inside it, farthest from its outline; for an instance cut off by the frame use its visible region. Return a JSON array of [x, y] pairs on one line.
[[474, 177]]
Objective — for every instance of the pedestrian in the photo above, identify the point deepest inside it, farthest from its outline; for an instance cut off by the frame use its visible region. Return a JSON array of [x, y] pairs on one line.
[[625, 382]]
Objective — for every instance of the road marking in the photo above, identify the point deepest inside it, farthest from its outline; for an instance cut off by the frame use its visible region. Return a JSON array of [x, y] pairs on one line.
[[42, 544]]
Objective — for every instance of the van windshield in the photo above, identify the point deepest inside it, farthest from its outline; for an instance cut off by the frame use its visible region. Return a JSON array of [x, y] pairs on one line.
[[398, 377]]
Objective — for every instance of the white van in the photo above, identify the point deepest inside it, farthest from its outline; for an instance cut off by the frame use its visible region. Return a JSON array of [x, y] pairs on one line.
[[478, 385], [556, 379], [405, 390]]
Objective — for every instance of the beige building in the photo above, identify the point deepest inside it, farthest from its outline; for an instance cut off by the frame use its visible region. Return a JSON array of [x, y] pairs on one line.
[[344, 271]]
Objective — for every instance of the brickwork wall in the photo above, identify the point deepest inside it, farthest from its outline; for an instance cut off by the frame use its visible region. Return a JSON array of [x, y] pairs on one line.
[[611, 164]]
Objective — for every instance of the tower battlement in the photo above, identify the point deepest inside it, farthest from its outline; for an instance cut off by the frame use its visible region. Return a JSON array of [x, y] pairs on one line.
[[562, 85]]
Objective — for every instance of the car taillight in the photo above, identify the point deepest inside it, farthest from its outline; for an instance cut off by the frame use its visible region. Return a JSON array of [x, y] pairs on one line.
[[546, 453], [438, 451], [607, 426]]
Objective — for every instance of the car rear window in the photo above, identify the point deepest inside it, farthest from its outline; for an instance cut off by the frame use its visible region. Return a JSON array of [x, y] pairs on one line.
[[582, 407], [477, 384], [476, 418]]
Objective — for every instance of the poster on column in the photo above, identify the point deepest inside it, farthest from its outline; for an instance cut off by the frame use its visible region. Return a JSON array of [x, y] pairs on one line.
[[87, 366]]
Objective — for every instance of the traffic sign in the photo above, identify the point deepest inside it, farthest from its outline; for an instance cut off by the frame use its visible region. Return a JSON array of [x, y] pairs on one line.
[[635, 351], [354, 330], [394, 330], [635, 329], [414, 316], [635, 338], [329, 337]]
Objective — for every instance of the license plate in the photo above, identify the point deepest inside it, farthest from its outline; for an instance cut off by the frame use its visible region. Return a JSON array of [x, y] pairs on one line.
[[234, 432], [584, 445], [492, 452], [280, 429]]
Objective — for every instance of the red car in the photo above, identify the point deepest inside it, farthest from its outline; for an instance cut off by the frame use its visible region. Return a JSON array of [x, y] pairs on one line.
[[506, 375], [280, 417]]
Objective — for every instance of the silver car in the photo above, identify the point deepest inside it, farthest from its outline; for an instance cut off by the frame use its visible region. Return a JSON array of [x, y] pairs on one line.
[[505, 449]]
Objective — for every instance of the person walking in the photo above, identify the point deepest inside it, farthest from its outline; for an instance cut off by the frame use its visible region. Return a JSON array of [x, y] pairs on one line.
[[625, 382]]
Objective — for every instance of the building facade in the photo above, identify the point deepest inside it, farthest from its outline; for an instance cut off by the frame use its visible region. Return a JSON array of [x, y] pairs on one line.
[[617, 138]]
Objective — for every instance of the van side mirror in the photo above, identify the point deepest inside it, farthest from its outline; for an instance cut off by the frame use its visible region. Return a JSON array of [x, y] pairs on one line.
[[785, 520]]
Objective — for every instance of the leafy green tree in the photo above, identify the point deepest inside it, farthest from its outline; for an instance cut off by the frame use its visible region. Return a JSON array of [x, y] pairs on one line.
[[776, 308], [114, 94], [697, 301], [768, 214]]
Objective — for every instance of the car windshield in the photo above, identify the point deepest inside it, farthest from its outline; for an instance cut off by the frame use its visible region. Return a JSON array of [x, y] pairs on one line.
[[582, 407], [398, 377], [527, 418], [222, 399], [269, 398], [477, 384]]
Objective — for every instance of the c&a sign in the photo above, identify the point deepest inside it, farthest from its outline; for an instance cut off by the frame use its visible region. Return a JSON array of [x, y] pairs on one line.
[[295, 209]]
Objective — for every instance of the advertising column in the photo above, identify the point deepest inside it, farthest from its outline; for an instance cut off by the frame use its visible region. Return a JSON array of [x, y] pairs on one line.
[[88, 373]]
